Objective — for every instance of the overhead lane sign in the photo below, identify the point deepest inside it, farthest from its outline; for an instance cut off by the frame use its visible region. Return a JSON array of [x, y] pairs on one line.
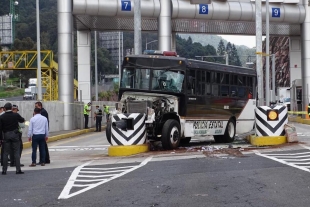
[[276, 12], [126, 5], [203, 9]]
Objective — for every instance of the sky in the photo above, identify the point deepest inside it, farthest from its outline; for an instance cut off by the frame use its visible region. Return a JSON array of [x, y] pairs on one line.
[[249, 41]]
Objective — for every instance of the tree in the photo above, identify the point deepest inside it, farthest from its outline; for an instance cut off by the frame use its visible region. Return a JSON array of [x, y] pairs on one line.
[[221, 51], [234, 59]]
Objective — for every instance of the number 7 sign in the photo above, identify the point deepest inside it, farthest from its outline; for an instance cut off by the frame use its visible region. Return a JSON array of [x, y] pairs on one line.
[[126, 5]]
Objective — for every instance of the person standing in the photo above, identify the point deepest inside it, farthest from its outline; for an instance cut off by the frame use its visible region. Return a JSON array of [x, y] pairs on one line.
[[2, 111], [9, 136], [20, 126], [106, 111], [98, 118], [45, 114], [38, 134], [87, 110]]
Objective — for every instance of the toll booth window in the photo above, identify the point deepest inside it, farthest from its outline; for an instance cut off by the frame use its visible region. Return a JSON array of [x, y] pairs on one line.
[[234, 80], [199, 81], [217, 77]]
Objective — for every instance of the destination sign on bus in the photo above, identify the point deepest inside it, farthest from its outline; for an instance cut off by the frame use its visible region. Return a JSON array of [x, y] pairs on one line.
[[208, 124]]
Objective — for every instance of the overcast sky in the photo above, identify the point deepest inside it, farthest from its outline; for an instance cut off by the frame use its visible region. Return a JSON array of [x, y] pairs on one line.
[[249, 41]]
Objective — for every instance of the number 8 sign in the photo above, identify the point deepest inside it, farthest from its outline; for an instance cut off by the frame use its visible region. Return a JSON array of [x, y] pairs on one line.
[[203, 9], [276, 12]]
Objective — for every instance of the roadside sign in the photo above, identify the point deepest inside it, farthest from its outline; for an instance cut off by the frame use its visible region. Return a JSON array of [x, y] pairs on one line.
[[10, 65]]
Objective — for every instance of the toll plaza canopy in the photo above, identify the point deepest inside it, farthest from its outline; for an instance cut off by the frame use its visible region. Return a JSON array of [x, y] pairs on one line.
[[218, 17]]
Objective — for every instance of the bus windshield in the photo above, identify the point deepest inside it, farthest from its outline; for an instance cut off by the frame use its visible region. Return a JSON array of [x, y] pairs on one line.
[[151, 79]]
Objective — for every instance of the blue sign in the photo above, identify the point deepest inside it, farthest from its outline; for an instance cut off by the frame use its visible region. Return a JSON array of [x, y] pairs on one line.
[[276, 12], [126, 5], [203, 9]]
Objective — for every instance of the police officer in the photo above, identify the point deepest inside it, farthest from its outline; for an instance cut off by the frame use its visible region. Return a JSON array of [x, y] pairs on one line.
[[106, 111], [98, 118], [87, 110], [20, 126], [9, 136]]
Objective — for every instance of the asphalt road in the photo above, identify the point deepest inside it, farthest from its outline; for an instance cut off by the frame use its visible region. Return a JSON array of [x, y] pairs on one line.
[[81, 174], [16, 98]]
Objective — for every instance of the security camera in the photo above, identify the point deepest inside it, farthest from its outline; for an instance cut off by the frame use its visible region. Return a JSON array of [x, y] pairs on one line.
[[16, 3]]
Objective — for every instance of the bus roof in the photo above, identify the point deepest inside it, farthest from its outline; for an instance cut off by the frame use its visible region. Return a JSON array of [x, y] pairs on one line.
[[199, 64]]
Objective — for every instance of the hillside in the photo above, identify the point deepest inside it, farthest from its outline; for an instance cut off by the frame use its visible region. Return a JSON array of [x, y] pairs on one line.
[[245, 53]]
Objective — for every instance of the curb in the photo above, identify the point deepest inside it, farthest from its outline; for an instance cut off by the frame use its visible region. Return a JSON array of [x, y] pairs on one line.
[[65, 136], [127, 150], [266, 140]]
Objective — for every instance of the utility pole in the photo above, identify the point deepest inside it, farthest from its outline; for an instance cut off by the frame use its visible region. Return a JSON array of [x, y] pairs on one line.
[[96, 68], [258, 21], [39, 82], [14, 12]]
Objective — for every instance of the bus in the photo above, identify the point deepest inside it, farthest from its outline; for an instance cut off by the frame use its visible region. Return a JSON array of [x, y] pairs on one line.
[[184, 98]]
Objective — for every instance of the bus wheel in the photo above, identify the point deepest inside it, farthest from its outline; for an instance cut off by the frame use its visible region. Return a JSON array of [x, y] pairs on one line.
[[108, 132], [171, 135], [185, 141], [230, 131], [218, 138]]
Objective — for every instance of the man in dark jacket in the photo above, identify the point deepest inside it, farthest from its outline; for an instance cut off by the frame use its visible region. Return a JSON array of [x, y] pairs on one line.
[[45, 114], [9, 136]]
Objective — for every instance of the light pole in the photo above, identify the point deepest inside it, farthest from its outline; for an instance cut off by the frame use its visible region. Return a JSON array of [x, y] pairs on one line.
[[39, 86], [149, 43]]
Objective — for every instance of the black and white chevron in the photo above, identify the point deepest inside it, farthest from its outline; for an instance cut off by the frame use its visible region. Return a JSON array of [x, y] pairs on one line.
[[129, 137], [270, 128]]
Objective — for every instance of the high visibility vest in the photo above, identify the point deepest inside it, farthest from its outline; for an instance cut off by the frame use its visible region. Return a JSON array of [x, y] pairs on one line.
[[106, 110], [86, 107]]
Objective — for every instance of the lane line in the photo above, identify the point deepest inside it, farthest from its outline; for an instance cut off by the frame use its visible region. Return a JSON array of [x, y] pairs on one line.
[[96, 176], [113, 168], [65, 194], [96, 172]]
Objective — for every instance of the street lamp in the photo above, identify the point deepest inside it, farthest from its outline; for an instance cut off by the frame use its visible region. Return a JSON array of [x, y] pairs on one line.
[[149, 43]]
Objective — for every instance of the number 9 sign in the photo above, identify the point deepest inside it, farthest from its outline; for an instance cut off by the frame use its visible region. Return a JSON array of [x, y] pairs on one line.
[[276, 12]]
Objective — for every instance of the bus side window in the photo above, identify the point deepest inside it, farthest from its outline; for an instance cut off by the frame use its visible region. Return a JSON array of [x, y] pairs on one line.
[[191, 82]]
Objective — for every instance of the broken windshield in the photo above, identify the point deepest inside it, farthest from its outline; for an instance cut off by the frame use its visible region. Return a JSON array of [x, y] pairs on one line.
[[150, 79]]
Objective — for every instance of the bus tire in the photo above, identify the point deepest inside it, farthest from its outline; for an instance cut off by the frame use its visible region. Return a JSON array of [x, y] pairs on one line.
[[108, 132], [230, 131], [185, 141], [171, 135], [218, 138]]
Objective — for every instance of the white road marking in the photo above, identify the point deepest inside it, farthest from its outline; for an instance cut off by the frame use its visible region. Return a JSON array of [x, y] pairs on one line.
[[295, 164], [65, 194]]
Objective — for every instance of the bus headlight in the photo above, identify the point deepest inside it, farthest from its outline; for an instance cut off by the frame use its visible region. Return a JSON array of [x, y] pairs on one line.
[[150, 114], [272, 115]]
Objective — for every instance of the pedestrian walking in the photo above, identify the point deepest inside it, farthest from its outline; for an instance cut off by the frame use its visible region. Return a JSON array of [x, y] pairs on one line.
[[20, 126], [106, 111], [87, 110], [98, 118], [45, 114], [38, 134], [9, 136]]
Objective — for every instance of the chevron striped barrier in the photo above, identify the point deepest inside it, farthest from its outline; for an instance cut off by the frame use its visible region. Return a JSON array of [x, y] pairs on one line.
[[269, 125], [128, 129]]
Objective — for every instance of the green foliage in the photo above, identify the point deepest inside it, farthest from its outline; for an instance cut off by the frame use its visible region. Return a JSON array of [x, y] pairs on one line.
[[6, 92]]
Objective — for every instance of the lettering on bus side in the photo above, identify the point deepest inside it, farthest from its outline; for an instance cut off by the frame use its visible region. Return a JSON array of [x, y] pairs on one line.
[[208, 125]]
